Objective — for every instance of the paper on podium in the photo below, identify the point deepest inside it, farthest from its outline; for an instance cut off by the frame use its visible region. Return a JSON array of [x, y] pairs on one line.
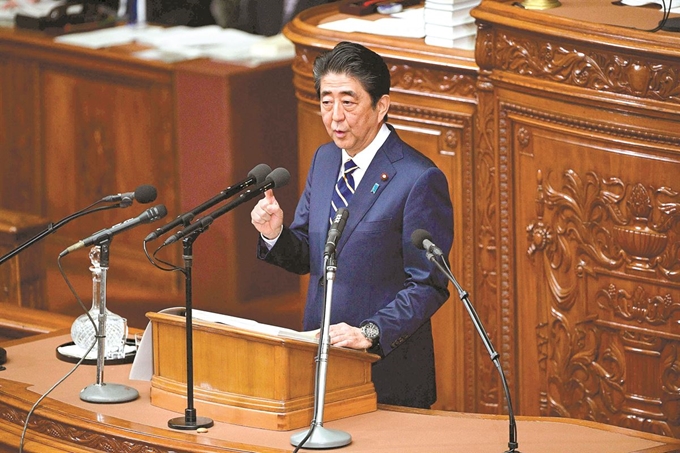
[[142, 366], [254, 326]]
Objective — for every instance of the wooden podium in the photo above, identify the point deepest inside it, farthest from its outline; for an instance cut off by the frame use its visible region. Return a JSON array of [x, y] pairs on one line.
[[254, 379]]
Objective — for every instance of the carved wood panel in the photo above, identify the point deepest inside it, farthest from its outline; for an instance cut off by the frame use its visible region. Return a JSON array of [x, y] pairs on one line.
[[599, 285]]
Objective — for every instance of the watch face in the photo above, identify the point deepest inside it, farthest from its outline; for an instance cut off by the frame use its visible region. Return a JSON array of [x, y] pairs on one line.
[[370, 331]]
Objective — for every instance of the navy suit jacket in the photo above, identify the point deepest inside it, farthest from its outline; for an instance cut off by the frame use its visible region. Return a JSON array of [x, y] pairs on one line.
[[381, 277]]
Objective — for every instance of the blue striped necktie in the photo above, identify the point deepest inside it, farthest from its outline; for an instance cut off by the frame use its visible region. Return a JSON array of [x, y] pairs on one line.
[[344, 188]]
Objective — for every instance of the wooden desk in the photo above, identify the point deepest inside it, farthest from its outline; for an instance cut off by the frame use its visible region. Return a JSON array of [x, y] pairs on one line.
[[78, 124], [63, 423]]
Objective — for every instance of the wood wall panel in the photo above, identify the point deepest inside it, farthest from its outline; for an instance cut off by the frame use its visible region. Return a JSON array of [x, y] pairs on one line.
[[19, 133], [579, 142], [222, 145], [102, 132], [80, 124]]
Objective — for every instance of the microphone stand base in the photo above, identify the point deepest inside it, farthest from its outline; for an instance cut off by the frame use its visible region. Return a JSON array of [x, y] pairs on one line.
[[108, 393], [183, 423], [322, 438]]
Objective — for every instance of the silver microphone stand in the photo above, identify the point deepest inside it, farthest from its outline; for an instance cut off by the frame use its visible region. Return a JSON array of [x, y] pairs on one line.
[[317, 436], [99, 392]]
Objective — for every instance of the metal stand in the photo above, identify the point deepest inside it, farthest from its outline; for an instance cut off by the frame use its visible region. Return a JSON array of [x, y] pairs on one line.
[[190, 420], [512, 441], [317, 436], [99, 392]]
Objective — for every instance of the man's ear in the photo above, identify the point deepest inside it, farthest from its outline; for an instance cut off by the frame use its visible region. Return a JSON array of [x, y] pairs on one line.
[[383, 106]]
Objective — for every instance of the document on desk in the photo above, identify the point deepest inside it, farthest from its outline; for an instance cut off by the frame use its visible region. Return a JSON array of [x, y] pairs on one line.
[[10, 8], [406, 24], [172, 44], [211, 41], [108, 37]]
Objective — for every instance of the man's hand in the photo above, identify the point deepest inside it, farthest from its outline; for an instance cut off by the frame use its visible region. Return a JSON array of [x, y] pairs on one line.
[[267, 216], [346, 336]]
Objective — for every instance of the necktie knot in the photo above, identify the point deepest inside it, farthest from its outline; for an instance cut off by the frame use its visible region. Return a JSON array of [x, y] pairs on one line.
[[350, 166]]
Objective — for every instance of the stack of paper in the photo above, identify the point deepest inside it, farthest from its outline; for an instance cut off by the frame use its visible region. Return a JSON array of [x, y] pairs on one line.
[[448, 23], [33, 8], [183, 43]]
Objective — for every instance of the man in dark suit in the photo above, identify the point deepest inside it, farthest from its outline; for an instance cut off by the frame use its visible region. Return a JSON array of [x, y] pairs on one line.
[[385, 290]]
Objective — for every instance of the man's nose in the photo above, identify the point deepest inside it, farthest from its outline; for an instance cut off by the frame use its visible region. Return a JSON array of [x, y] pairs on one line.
[[338, 112]]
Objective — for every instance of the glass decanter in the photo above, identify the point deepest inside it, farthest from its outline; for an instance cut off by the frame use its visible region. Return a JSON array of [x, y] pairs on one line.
[[116, 329]]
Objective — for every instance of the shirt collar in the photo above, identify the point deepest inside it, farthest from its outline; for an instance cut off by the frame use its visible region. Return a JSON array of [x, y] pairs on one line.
[[364, 157]]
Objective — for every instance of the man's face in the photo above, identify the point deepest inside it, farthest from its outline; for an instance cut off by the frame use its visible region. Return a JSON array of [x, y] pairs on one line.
[[346, 110]]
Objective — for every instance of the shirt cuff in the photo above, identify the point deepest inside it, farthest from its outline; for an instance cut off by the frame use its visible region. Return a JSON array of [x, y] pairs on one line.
[[270, 242]]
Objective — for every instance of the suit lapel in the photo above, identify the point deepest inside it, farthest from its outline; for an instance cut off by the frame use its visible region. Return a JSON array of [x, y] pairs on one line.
[[327, 167], [367, 194]]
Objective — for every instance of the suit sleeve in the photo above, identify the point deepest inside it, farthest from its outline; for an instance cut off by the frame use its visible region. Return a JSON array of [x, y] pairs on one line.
[[291, 251], [428, 207]]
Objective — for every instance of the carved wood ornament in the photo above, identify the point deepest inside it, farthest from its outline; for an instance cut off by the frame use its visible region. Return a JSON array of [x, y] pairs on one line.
[[601, 241]]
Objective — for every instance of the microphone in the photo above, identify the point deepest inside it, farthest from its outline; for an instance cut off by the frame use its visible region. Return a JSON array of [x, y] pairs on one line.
[[423, 240], [279, 177], [143, 194], [335, 231], [256, 176], [150, 215]]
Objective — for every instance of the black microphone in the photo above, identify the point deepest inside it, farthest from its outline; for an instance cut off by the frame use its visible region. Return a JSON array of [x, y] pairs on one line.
[[423, 240], [256, 176], [143, 194], [279, 177], [335, 231], [150, 215]]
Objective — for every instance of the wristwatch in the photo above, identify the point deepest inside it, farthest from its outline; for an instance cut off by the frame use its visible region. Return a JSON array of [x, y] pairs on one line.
[[371, 332]]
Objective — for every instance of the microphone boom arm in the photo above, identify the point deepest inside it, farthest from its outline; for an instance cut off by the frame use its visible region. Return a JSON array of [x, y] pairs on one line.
[[51, 228], [495, 358]]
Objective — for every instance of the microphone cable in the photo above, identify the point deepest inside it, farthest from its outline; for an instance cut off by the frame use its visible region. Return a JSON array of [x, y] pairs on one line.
[[153, 258], [664, 18], [75, 367]]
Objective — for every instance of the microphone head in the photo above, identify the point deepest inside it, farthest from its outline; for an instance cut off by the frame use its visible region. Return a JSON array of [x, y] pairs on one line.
[[156, 213], [419, 236], [260, 172], [341, 216], [145, 194], [279, 176]]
